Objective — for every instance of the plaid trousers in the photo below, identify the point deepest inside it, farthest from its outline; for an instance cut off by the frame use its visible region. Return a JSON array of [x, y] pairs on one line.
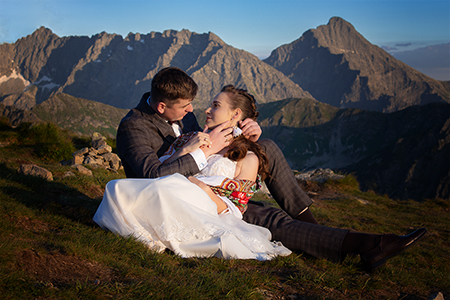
[[316, 240]]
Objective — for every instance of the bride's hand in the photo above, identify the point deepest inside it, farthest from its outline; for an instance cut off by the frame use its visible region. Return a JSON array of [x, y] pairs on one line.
[[220, 138], [199, 140]]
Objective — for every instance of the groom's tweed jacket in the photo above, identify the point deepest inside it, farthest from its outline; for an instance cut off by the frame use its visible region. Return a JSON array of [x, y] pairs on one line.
[[143, 136]]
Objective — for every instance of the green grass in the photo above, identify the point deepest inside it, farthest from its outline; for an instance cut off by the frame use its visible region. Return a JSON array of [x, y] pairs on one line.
[[51, 249]]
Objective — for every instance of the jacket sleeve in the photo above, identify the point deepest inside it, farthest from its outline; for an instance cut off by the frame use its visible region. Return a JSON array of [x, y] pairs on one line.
[[140, 143]]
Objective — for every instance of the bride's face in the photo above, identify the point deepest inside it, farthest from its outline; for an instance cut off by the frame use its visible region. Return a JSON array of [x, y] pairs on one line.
[[220, 111]]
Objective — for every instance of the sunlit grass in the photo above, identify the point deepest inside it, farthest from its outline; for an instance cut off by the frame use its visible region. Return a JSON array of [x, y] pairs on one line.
[[54, 220]]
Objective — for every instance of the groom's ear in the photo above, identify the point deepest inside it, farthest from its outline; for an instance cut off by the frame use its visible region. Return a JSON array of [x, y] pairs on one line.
[[161, 107]]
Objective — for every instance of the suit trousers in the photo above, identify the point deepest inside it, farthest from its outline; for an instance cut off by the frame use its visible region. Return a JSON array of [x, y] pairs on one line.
[[318, 241], [315, 240], [281, 183]]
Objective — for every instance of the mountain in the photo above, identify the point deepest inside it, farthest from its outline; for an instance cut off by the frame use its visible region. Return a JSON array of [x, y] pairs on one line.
[[110, 69], [405, 154], [338, 66], [80, 116]]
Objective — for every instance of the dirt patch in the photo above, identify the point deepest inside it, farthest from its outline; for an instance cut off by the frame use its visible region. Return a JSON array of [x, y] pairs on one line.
[[318, 191], [59, 270], [32, 225], [94, 192]]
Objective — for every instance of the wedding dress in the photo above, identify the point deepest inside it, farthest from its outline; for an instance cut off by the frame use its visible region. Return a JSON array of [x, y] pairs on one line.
[[171, 212]]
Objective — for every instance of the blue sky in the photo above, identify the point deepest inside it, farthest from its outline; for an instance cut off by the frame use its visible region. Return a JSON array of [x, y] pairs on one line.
[[255, 26]]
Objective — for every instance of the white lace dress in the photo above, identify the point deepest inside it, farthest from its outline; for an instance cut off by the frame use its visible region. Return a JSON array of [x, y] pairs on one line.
[[171, 212]]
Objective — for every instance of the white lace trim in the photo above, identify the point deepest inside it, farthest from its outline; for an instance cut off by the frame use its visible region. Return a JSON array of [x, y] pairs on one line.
[[177, 231]]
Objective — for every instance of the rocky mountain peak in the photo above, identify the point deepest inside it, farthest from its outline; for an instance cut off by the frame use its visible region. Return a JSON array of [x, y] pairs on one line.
[[339, 36], [42, 33], [338, 66]]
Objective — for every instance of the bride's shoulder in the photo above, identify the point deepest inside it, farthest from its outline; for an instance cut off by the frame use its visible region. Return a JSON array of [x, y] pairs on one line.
[[251, 159]]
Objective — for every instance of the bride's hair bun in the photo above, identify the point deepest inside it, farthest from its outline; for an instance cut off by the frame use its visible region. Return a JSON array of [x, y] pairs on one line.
[[242, 99]]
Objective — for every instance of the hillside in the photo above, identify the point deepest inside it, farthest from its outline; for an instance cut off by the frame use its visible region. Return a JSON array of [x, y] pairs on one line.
[[338, 66], [405, 154], [51, 248], [81, 116]]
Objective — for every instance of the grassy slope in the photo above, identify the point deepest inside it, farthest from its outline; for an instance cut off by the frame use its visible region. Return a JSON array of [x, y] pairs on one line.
[[51, 249]]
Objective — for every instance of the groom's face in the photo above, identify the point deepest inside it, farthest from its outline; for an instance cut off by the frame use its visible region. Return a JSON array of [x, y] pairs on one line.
[[178, 110]]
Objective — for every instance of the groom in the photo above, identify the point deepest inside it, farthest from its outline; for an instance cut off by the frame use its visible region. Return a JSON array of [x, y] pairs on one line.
[[147, 131]]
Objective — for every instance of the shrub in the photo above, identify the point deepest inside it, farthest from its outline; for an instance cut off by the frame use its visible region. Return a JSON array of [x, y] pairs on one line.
[[49, 141]]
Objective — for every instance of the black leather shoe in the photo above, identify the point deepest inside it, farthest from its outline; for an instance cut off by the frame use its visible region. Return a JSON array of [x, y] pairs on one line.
[[389, 246]]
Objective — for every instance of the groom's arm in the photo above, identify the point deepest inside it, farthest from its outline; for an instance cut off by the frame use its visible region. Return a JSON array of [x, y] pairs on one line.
[[139, 144]]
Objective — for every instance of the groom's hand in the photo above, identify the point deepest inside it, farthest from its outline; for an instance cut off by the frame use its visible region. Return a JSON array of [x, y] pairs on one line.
[[250, 129], [219, 137]]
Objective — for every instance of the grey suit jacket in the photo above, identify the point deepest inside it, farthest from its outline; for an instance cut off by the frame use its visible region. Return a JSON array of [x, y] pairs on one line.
[[143, 136]]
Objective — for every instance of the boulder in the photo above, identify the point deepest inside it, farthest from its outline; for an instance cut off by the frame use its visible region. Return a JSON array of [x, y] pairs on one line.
[[319, 175], [34, 170], [82, 170]]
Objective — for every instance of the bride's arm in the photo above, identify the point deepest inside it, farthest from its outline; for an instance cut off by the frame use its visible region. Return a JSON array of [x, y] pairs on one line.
[[197, 141], [221, 206], [246, 169]]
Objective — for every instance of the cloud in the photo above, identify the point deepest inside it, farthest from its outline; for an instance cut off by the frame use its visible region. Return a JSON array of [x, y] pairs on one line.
[[403, 45], [389, 48], [433, 60]]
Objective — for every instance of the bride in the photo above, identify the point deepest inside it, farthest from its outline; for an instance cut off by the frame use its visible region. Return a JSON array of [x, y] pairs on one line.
[[198, 216]]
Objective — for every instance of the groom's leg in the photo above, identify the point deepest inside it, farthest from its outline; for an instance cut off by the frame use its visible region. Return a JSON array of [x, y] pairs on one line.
[[282, 184], [318, 241]]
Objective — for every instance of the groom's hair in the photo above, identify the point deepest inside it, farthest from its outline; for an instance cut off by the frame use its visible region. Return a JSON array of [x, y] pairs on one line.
[[171, 84]]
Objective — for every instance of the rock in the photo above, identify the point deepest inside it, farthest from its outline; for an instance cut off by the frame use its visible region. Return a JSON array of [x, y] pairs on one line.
[[104, 149], [98, 156], [92, 152], [68, 174], [362, 201], [436, 296], [33, 170], [113, 160], [92, 160], [319, 175], [98, 140], [77, 159], [81, 152], [82, 170]]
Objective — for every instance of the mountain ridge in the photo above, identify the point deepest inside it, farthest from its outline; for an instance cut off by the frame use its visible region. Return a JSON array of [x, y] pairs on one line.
[[405, 154], [338, 66], [117, 71]]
